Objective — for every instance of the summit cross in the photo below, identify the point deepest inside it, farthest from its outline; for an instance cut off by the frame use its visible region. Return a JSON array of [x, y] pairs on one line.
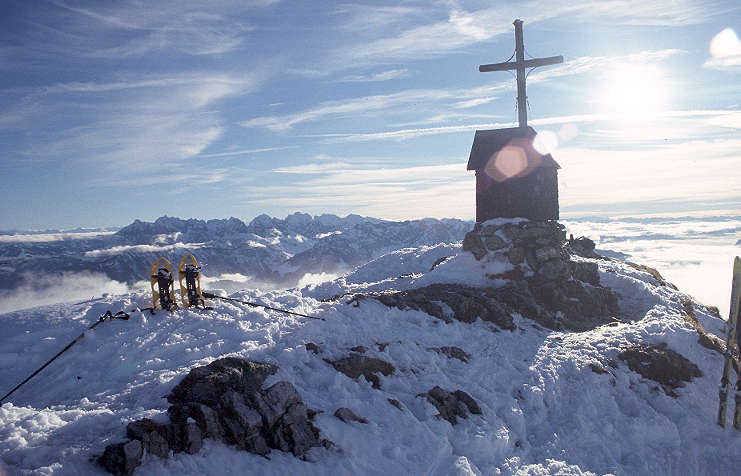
[[520, 64]]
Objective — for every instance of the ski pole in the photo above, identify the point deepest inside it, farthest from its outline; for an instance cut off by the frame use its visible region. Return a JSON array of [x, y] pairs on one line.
[[107, 315], [214, 296]]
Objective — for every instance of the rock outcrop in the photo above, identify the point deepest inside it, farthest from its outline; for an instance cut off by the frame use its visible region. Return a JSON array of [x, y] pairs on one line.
[[451, 404], [660, 364], [451, 301], [225, 401], [540, 277], [356, 365]]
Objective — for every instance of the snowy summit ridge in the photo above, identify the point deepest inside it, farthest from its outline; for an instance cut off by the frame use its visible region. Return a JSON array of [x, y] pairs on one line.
[[514, 353]]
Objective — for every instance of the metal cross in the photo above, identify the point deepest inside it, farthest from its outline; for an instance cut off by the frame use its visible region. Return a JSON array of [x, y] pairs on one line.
[[520, 64]]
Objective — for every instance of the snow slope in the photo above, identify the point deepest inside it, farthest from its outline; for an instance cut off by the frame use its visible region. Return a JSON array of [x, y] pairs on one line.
[[544, 410]]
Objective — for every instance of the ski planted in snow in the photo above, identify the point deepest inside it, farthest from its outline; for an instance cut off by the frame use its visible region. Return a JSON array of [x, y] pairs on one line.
[[163, 289], [733, 336], [189, 274]]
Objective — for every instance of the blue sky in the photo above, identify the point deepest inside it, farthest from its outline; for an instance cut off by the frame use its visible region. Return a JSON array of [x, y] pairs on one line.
[[112, 111]]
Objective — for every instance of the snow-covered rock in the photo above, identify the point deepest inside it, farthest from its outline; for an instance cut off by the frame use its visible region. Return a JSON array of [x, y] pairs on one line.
[[551, 401]]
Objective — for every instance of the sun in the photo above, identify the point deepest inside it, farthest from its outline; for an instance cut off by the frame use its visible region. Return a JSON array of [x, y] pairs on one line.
[[632, 91]]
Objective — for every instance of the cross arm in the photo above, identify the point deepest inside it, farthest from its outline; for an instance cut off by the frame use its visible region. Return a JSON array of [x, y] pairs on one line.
[[531, 63]]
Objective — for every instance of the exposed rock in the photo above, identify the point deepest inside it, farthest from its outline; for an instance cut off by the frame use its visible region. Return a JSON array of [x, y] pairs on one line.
[[585, 271], [294, 432], [488, 230], [347, 415], [660, 364], [208, 421], [451, 405], [192, 438], [472, 242], [494, 243], [206, 384], [704, 338], [546, 253], [467, 304], [122, 458], [553, 269], [468, 400], [438, 262], [516, 255], [356, 365], [558, 304], [153, 436], [514, 274], [223, 401], [452, 352], [361, 349], [599, 370], [581, 306], [396, 403], [583, 247], [714, 311], [653, 272], [312, 347]]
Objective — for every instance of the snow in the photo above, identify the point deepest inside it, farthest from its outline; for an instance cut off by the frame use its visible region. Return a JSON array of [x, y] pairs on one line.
[[545, 412]]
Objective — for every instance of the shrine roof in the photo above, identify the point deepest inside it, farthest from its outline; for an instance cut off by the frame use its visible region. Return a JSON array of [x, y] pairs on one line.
[[488, 142]]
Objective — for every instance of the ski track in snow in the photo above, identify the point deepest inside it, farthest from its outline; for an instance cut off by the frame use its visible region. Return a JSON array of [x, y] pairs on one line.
[[545, 412]]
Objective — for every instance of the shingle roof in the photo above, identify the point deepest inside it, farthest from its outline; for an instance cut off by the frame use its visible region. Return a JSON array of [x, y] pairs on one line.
[[487, 143]]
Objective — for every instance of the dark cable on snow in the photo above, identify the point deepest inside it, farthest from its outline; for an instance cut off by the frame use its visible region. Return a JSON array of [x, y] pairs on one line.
[[214, 296], [101, 319]]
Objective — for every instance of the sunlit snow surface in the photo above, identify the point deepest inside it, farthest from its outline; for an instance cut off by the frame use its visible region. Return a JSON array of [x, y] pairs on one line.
[[545, 411]]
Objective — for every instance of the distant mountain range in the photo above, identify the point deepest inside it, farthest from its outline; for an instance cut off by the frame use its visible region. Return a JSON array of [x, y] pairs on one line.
[[269, 251]]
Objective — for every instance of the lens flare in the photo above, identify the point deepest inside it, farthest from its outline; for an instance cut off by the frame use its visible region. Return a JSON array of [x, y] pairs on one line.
[[505, 164], [725, 44], [545, 142], [568, 132]]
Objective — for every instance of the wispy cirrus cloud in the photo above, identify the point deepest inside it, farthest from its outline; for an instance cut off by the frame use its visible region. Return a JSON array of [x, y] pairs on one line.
[[187, 27], [725, 118], [133, 125], [430, 191], [233, 153], [453, 98], [459, 25], [373, 77], [354, 106]]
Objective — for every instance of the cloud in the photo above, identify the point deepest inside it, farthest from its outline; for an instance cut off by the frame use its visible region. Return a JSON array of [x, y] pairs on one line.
[[316, 168], [315, 278], [694, 170], [354, 106], [117, 250], [715, 117], [362, 18], [248, 151], [434, 191], [132, 125], [453, 98], [187, 27], [43, 289], [382, 76], [458, 27], [47, 237]]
